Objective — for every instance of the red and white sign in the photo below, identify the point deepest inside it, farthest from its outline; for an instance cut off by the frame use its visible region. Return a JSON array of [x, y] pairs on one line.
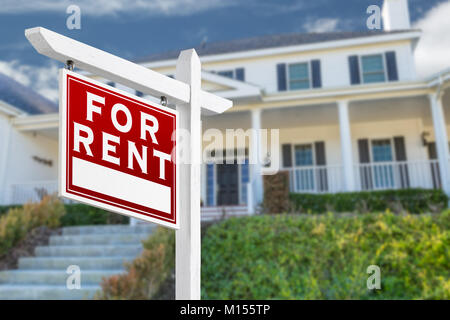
[[117, 151]]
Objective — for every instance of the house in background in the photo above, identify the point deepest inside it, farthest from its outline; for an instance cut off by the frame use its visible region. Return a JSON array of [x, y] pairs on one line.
[[353, 115], [28, 150]]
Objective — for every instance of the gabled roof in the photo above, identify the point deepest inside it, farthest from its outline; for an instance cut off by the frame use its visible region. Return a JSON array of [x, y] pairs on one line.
[[24, 98], [268, 41]]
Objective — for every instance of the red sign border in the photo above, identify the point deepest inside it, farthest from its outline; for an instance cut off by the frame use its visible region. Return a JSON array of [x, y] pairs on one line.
[[63, 161]]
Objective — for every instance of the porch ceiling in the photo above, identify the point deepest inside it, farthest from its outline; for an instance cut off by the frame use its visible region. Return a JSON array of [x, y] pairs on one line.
[[304, 116], [390, 109]]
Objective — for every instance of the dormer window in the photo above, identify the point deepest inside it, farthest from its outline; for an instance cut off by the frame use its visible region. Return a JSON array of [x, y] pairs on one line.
[[373, 69], [298, 75], [238, 74]]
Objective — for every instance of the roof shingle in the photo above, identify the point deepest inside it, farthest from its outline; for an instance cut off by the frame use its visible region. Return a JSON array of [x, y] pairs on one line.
[[24, 98], [268, 41]]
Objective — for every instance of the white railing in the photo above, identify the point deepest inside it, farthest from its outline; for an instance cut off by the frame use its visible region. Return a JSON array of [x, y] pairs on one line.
[[316, 179], [398, 175], [21, 193], [371, 176]]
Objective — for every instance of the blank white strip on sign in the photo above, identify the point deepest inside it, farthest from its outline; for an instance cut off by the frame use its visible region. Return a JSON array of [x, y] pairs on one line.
[[120, 185]]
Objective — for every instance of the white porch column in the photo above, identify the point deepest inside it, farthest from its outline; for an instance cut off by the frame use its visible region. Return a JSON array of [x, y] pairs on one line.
[[440, 133], [255, 153], [346, 146]]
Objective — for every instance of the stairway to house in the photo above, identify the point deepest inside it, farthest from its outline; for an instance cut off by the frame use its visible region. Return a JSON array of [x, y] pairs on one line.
[[99, 251]]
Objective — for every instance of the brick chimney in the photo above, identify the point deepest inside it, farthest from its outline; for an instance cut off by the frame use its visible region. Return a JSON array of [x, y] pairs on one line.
[[396, 15]]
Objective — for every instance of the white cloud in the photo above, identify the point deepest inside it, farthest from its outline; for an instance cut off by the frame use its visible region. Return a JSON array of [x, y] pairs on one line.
[[42, 79], [112, 7], [433, 51], [321, 25]]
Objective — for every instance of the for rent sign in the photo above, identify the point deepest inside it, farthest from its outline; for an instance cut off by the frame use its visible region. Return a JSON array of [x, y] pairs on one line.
[[117, 151]]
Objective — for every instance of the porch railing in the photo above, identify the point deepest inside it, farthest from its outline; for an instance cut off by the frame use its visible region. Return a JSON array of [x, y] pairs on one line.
[[371, 176], [316, 179], [31, 191], [398, 175]]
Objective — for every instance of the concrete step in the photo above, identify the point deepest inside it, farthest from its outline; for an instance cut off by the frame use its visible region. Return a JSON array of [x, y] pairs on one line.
[[46, 292], [142, 228], [62, 263], [89, 251], [98, 239], [52, 277]]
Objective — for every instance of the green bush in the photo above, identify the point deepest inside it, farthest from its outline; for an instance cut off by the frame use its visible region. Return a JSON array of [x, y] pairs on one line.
[[147, 273], [326, 257], [81, 214], [410, 200], [5, 209], [15, 224]]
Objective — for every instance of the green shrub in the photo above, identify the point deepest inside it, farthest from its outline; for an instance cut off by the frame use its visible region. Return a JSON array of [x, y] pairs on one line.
[[146, 273], [15, 224], [410, 200], [81, 214], [326, 257], [5, 209]]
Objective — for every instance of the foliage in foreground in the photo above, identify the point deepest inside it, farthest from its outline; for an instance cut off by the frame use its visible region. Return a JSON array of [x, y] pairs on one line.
[[146, 273], [304, 257], [83, 215], [409, 200], [15, 224], [326, 257]]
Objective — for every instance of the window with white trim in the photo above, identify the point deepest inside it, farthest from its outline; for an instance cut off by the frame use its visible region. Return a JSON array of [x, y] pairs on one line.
[[299, 76], [373, 68]]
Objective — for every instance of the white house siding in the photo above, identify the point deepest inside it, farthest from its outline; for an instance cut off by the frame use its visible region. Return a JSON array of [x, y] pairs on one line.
[[261, 71], [23, 174]]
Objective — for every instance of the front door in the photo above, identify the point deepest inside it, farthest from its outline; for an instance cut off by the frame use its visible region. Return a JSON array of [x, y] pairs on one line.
[[228, 184]]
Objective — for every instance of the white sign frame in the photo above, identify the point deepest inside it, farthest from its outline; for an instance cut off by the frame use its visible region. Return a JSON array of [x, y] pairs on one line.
[[62, 150]]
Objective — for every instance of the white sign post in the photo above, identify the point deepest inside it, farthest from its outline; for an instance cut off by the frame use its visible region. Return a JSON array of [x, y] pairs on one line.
[[190, 102]]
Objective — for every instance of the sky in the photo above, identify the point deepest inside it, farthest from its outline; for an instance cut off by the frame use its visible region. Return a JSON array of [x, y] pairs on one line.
[[136, 28]]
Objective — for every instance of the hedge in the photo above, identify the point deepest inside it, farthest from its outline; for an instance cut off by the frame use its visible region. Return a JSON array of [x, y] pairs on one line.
[[326, 257], [304, 257], [410, 200], [147, 273], [81, 214], [17, 222]]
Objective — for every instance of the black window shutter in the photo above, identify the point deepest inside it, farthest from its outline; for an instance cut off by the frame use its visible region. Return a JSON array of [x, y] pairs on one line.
[[281, 76], [316, 74], [353, 63], [321, 176], [320, 153], [434, 166], [391, 63], [287, 155], [400, 155], [400, 150], [364, 158], [240, 74]]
